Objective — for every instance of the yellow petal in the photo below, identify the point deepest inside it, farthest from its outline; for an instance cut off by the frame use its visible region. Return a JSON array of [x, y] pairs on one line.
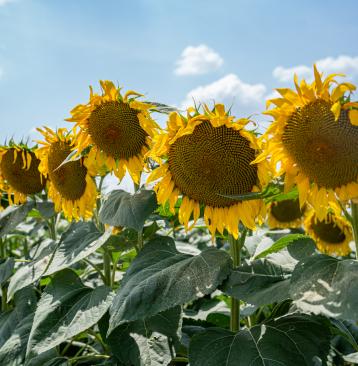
[[353, 116]]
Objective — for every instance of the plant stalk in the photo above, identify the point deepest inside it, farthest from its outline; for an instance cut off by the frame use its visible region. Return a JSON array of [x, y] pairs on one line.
[[354, 207], [107, 267], [140, 232], [235, 250]]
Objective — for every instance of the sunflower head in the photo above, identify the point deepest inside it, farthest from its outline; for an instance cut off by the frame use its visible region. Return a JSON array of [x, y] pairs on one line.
[[19, 172], [71, 186], [331, 234], [205, 157], [313, 139], [118, 129], [285, 214]]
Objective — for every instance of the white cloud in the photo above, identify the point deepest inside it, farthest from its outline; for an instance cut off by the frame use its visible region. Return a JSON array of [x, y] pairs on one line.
[[197, 60], [5, 2], [286, 74], [1, 72], [227, 90], [342, 64]]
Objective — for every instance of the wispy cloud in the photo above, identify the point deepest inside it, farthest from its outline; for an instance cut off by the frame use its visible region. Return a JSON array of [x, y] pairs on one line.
[[5, 2], [1, 73], [228, 89], [198, 60], [342, 64]]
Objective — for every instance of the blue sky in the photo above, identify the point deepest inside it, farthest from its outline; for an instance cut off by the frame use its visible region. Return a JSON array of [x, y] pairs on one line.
[[231, 51]]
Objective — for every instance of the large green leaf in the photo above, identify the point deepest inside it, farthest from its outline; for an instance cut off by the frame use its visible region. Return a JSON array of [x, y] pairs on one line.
[[326, 285], [15, 327], [128, 210], [45, 359], [25, 303], [12, 352], [66, 308], [258, 283], [298, 239], [13, 216], [144, 342], [288, 341], [6, 268], [77, 243], [161, 278]]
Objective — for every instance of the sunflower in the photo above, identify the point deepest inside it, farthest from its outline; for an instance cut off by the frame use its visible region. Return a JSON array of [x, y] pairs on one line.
[[285, 214], [119, 129], [203, 158], [313, 140], [71, 186], [331, 234], [19, 172]]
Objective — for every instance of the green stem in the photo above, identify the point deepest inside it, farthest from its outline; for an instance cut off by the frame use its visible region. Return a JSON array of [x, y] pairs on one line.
[[107, 267], [96, 268], [2, 249], [3, 298], [100, 226], [180, 359], [235, 250], [140, 232], [115, 263], [354, 207], [3, 288], [75, 359], [51, 224]]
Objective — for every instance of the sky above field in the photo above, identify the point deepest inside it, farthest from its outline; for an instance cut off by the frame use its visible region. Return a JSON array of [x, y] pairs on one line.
[[234, 52]]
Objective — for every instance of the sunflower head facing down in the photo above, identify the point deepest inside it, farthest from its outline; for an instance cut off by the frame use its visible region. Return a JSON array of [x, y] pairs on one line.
[[71, 186], [313, 141], [332, 234], [285, 214], [203, 158], [19, 172], [118, 129]]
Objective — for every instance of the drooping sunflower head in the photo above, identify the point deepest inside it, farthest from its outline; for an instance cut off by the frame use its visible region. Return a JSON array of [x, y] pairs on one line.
[[205, 157], [331, 234], [314, 140], [285, 214], [118, 129], [71, 186], [19, 172]]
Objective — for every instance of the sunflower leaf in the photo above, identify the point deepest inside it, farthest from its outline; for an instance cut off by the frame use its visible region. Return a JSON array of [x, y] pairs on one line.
[[325, 285], [269, 191], [78, 242], [66, 308], [13, 216], [258, 283], [160, 277], [302, 340], [6, 268], [128, 210], [298, 239], [142, 342]]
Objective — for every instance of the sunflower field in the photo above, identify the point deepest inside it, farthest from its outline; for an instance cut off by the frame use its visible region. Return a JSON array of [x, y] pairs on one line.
[[237, 247]]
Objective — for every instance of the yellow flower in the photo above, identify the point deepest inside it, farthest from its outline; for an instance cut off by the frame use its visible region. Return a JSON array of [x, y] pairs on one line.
[[313, 140], [19, 173], [119, 129], [71, 186], [203, 158], [285, 214], [331, 234]]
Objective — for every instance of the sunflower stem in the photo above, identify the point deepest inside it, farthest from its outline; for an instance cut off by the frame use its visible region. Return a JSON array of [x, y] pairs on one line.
[[107, 267], [51, 225], [354, 207], [140, 232], [235, 250]]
